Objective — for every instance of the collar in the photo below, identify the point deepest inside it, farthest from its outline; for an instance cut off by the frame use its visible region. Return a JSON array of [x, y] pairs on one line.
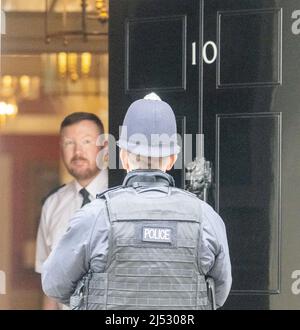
[[144, 178], [98, 184]]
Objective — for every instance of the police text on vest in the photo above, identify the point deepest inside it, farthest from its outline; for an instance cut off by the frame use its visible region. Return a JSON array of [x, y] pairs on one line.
[[156, 234]]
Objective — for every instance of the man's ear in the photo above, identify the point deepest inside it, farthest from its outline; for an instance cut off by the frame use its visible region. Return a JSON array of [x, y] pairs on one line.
[[105, 144], [124, 159], [172, 160]]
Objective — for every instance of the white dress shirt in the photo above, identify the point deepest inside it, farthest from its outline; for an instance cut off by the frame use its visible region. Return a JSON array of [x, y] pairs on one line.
[[57, 211]]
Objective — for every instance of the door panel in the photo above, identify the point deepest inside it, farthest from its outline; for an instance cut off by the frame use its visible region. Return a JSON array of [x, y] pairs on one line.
[[245, 58], [245, 166], [162, 65]]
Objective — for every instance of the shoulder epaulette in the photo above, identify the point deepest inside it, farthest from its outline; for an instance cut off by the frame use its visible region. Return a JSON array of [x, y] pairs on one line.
[[101, 195], [53, 191]]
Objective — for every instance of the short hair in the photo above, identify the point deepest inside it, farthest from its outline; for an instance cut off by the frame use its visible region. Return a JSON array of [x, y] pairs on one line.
[[77, 117], [138, 162]]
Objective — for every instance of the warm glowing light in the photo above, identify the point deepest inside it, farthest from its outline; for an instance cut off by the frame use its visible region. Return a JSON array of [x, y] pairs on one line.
[[86, 60], [72, 66], [7, 81], [7, 86], [10, 109], [62, 64], [2, 108], [7, 110], [102, 9]]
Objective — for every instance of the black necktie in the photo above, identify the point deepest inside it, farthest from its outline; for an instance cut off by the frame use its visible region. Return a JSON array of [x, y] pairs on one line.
[[85, 195]]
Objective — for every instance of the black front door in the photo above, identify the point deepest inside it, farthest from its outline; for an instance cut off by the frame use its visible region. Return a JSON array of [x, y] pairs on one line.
[[153, 48], [230, 70]]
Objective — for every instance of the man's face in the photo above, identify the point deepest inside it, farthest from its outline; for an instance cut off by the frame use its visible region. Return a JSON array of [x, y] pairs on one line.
[[79, 150]]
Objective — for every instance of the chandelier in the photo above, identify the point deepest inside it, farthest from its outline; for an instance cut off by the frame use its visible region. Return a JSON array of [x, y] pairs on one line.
[[90, 11], [102, 10], [73, 65]]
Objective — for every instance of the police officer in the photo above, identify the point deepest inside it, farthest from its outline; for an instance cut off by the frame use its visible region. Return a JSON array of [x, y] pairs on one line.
[[145, 244], [79, 133]]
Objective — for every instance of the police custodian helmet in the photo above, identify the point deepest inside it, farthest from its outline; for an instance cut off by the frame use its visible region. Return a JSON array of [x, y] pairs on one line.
[[149, 128]]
